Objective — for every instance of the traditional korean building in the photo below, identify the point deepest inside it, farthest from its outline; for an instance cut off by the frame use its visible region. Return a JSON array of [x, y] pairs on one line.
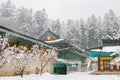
[[110, 42], [68, 55], [21, 38], [16, 38], [106, 54]]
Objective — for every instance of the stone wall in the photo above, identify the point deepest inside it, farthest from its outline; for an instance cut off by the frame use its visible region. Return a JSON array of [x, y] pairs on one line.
[[31, 68]]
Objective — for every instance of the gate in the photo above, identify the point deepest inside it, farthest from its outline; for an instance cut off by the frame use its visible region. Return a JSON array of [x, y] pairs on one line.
[[60, 68]]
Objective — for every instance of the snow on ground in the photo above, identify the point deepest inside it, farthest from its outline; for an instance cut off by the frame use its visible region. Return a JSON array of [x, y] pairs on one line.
[[72, 76]]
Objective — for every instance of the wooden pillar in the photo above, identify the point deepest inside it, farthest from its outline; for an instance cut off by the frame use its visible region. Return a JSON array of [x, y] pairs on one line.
[[98, 63]]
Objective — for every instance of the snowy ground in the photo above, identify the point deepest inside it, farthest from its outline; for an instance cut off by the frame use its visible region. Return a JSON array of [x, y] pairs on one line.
[[72, 76]]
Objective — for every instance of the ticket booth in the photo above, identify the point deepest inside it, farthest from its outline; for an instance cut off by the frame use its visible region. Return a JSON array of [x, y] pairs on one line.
[[104, 63]]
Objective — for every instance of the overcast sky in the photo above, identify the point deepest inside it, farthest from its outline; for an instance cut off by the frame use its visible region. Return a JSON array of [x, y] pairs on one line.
[[71, 9]]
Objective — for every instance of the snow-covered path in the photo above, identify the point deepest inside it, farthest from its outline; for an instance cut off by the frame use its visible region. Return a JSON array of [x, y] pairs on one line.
[[72, 76]]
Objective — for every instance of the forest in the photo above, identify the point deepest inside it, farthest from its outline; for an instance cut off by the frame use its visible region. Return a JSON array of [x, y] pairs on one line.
[[81, 33]]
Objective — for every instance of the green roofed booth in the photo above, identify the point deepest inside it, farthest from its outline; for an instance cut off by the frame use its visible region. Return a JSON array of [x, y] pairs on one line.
[[104, 60], [98, 53], [60, 68]]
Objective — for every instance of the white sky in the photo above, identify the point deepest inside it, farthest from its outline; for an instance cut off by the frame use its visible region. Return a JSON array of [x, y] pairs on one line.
[[71, 9]]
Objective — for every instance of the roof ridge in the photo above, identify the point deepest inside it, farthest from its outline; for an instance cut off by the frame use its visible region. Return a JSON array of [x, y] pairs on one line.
[[10, 31], [48, 32]]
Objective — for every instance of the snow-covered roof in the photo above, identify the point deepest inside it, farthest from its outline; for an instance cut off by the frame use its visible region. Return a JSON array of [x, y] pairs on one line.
[[9, 31], [68, 62], [70, 46], [54, 41], [61, 60], [92, 53], [108, 49], [49, 32]]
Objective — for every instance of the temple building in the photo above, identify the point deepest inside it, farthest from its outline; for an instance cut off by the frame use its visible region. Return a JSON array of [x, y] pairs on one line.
[[18, 39], [67, 54], [105, 55], [69, 58]]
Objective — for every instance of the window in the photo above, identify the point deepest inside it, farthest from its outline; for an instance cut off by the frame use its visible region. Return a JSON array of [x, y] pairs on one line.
[[106, 65]]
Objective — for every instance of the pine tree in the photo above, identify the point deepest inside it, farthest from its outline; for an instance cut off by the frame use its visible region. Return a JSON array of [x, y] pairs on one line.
[[73, 37], [83, 35], [41, 19], [7, 9], [25, 20], [110, 24], [56, 27], [91, 31]]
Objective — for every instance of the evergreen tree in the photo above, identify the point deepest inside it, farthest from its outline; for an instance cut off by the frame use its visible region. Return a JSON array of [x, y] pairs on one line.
[[91, 31], [25, 20], [7, 9], [110, 24], [83, 34], [41, 19], [56, 27], [73, 37]]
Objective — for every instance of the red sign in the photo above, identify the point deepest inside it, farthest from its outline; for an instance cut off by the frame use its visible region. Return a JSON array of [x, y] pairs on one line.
[[48, 38]]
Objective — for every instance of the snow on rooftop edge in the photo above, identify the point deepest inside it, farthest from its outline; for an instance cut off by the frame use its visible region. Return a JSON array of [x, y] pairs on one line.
[[54, 41], [108, 49]]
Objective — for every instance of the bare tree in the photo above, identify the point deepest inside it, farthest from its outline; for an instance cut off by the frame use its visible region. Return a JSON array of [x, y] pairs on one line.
[[47, 56], [20, 58], [3, 45], [116, 60], [44, 56]]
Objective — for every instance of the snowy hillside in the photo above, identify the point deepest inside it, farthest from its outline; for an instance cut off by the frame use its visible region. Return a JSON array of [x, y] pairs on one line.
[[81, 33]]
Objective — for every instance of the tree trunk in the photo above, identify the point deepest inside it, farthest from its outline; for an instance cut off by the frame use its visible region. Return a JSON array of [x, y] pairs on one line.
[[41, 72], [21, 73]]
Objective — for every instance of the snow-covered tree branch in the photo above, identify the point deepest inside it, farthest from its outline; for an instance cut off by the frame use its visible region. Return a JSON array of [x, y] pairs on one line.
[[44, 55], [3, 45], [47, 56], [20, 58]]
